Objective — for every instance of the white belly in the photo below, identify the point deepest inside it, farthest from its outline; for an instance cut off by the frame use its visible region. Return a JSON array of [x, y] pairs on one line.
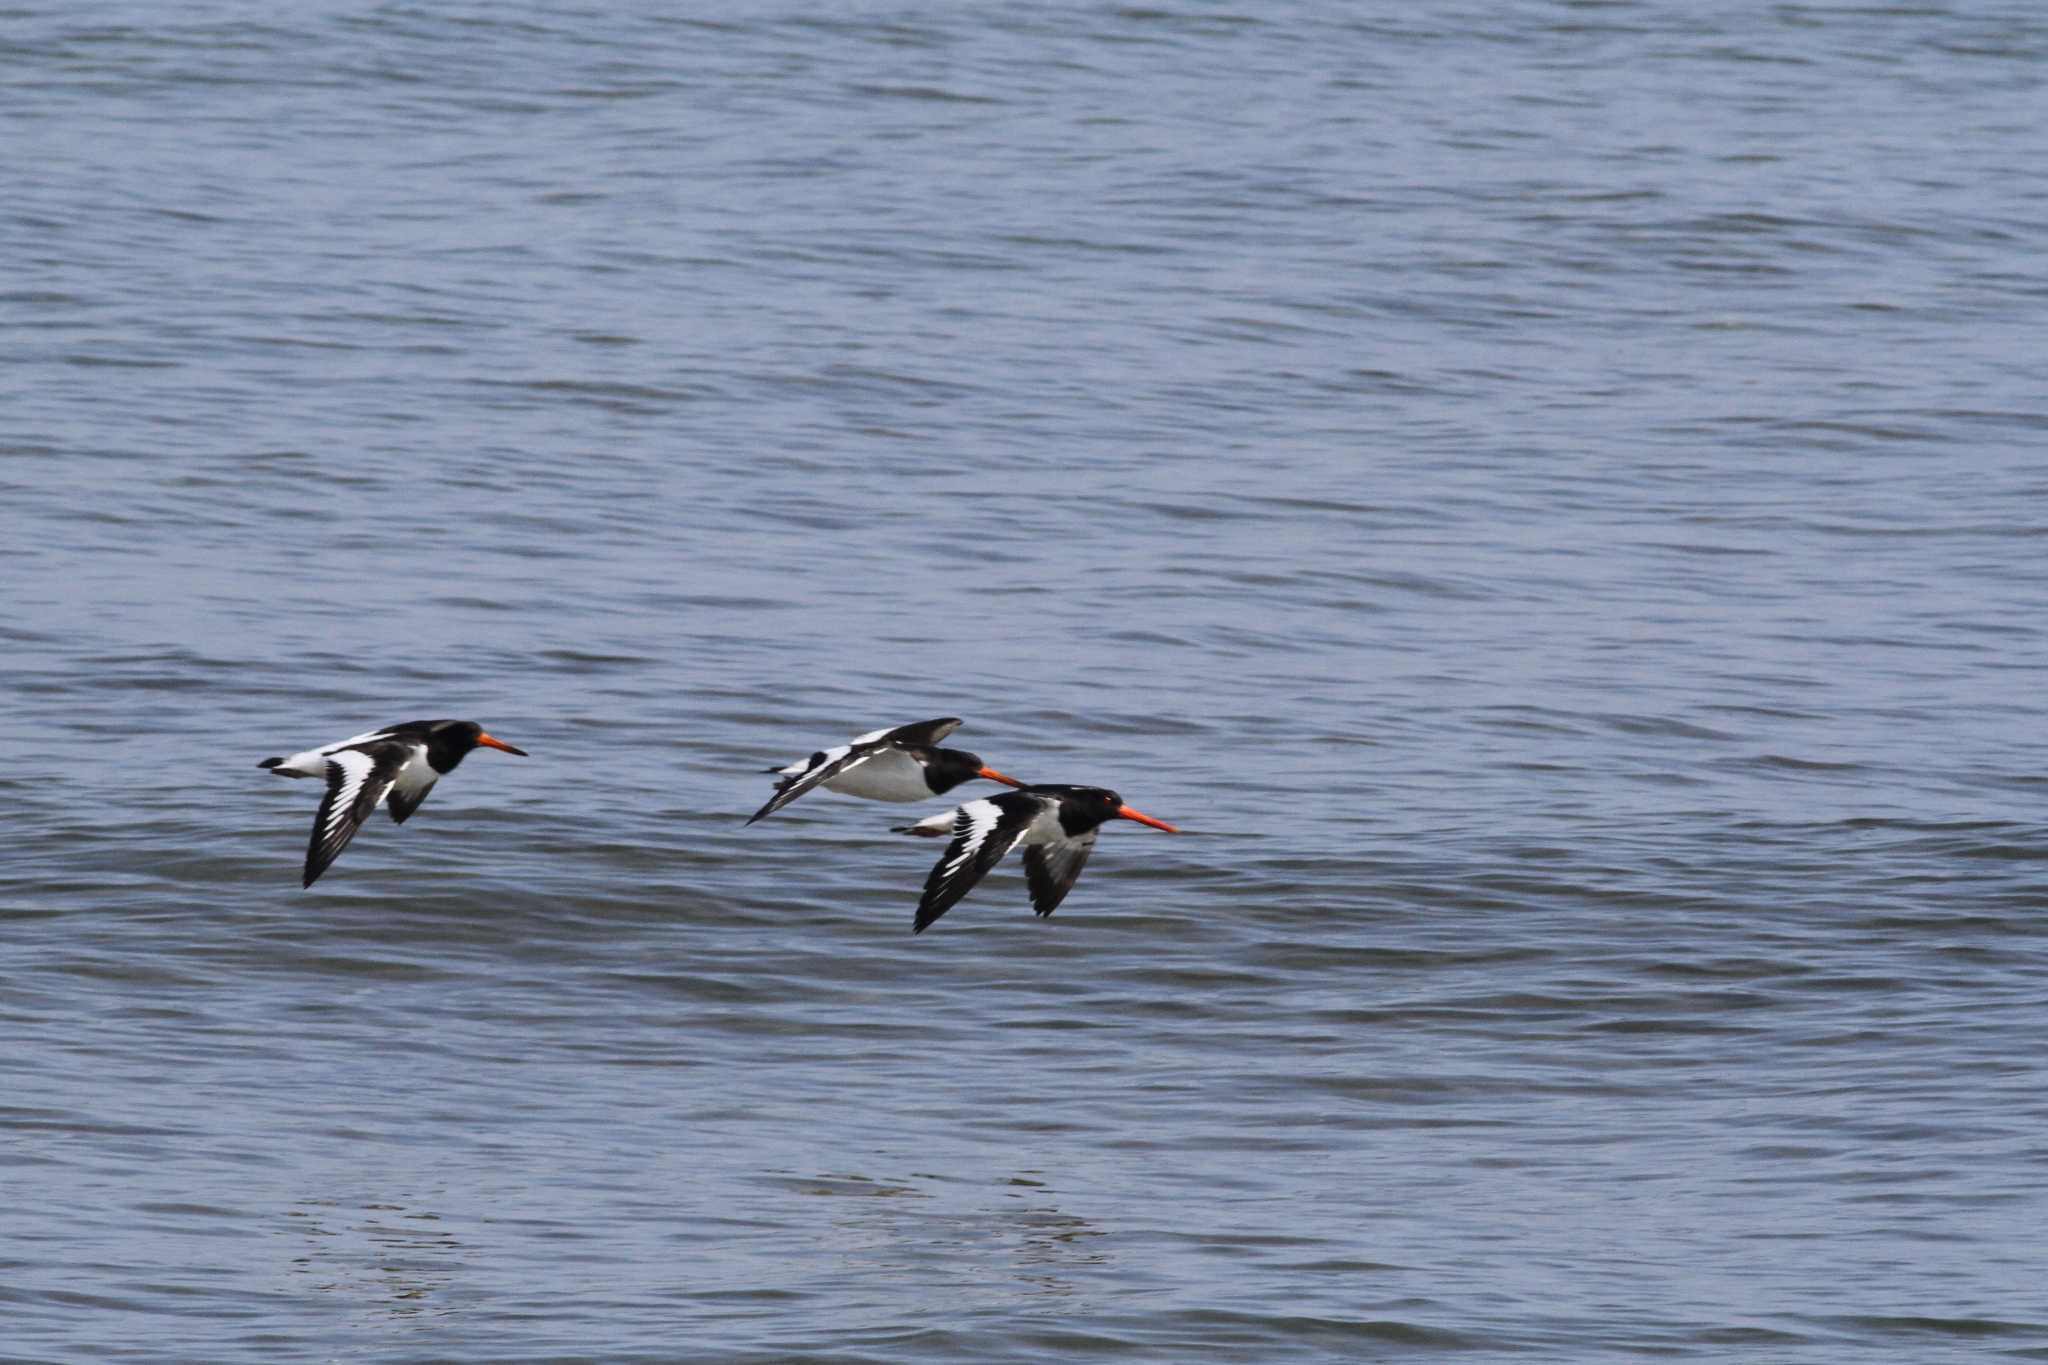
[[892, 776]]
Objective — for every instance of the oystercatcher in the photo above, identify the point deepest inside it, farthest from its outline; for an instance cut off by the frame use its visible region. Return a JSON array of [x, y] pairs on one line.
[[401, 762], [903, 764], [1054, 822]]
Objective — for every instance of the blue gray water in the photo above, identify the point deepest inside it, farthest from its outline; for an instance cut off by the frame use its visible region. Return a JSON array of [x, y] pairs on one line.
[[1550, 496]]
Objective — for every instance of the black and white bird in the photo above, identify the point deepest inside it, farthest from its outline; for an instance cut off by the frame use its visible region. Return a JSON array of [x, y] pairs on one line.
[[1055, 823], [400, 763], [900, 764]]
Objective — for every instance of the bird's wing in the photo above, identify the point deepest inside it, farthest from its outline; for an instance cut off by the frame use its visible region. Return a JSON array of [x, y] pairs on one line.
[[825, 765], [357, 780], [1052, 869], [983, 831], [923, 734]]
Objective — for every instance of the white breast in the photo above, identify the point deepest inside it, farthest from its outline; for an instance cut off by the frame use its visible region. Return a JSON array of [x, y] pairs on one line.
[[1045, 827], [416, 776]]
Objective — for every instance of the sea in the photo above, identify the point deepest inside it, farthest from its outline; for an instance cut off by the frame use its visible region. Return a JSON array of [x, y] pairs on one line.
[[1550, 497]]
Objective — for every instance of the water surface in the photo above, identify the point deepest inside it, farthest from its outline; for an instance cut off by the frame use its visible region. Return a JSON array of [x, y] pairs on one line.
[[1548, 495]]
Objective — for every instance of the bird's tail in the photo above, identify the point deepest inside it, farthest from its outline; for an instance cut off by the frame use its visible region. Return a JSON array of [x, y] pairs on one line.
[[931, 827]]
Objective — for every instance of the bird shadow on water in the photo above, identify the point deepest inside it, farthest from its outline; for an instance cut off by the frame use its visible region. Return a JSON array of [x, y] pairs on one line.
[[999, 1243], [391, 1260]]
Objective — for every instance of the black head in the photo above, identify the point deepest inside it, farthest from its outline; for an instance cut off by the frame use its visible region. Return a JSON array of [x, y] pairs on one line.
[[1084, 798], [1083, 808], [450, 741], [945, 769]]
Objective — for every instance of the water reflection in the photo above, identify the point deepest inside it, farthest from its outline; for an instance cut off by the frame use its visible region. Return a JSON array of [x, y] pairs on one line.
[[391, 1258], [1050, 1242], [966, 1235]]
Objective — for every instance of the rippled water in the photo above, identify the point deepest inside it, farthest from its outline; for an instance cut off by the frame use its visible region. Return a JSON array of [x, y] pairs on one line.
[[1549, 495]]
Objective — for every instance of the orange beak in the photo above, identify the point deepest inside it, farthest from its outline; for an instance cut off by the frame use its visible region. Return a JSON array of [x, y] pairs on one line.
[[1144, 819], [992, 775], [490, 743]]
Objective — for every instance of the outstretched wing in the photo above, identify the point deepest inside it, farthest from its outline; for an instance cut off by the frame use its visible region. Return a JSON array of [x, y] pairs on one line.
[[357, 780], [1052, 869], [923, 734], [983, 831], [825, 765]]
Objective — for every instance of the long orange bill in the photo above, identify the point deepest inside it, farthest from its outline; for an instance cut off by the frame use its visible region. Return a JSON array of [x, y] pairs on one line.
[[490, 743], [992, 775], [1145, 819]]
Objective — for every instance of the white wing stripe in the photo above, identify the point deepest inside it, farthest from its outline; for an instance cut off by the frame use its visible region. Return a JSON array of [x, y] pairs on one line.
[[356, 768], [973, 823]]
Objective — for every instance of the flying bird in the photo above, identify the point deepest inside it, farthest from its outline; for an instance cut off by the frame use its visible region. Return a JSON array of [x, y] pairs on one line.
[[900, 764], [400, 763], [1055, 823]]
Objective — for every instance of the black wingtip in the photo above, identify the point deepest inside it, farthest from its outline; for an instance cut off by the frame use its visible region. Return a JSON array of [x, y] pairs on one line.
[[269, 762], [924, 733]]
